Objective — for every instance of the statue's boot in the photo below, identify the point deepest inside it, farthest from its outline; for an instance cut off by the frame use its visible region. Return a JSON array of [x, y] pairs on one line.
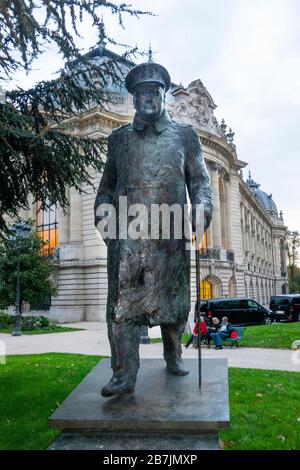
[[171, 335], [117, 385], [177, 368], [124, 340]]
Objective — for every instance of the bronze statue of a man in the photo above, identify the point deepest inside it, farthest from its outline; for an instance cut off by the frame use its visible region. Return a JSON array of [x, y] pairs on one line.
[[150, 161]]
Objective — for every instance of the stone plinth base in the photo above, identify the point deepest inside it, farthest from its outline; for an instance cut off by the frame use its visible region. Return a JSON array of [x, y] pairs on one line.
[[121, 441], [165, 412]]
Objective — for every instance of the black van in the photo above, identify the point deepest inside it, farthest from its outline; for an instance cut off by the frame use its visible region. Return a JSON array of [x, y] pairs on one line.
[[240, 311], [285, 307]]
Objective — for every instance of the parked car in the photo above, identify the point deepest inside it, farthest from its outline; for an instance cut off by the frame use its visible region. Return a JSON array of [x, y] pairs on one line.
[[285, 307], [240, 311]]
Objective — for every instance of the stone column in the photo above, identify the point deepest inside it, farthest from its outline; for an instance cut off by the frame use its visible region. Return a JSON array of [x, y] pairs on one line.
[[64, 224], [71, 229], [209, 237], [223, 210], [75, 217], [228, 212], [216, 219]]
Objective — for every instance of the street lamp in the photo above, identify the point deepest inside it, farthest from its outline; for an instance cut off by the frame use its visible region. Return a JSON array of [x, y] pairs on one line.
[[144, 338], [18, 232]]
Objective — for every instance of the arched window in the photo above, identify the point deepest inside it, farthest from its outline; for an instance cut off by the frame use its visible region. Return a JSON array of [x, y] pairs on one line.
[[47, 228], [284, 288], [213, 287], [205, 290]]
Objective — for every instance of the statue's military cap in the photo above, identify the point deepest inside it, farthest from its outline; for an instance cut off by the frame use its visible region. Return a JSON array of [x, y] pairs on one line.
[[147, 72]]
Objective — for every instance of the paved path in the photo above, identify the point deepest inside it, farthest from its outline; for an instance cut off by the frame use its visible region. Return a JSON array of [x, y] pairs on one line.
[[93, 340]]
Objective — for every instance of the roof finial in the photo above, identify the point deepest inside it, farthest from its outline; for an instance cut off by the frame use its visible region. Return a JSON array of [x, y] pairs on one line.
[[102, 36], [150, 53], [251, 183], [223, 127], [230, 136]]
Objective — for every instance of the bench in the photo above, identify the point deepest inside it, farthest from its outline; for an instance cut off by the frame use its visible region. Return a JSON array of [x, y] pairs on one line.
[[240, 331]]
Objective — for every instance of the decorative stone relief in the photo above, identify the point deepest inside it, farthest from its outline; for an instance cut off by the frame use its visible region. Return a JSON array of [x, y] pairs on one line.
[[195, 106]]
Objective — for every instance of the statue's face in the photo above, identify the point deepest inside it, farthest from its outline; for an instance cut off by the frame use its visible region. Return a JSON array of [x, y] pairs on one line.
[[149, 100]]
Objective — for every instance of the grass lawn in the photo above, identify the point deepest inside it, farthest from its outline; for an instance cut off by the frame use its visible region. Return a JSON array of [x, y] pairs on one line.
[[31, 388], [264, 405], [264, 410], [42, 331], [277, 336]]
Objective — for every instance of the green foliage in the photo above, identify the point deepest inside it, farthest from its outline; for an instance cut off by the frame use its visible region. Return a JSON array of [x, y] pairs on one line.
[[39, 159], [41, 331], [296, 288], [44, 321], [39, 153], [35, 272], [23, 31], [5, 319], [294, 280], [34, 323], [292, 247]]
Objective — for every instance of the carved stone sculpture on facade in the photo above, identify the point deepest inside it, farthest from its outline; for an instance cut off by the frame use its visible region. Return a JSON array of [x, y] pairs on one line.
[[195, 105]]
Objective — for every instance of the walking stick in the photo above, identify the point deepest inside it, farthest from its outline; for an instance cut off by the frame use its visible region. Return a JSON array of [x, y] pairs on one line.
[[198, 309]]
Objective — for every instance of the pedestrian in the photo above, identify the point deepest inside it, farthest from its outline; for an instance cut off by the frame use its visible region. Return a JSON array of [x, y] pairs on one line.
[[199, 327]]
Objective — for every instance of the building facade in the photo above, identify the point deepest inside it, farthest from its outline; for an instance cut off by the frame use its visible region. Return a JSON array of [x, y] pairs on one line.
[[243, 253]]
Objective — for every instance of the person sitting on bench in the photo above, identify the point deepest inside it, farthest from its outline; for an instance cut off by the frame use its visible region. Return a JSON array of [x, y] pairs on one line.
[[223, 332], [212, 328], [199, 327]]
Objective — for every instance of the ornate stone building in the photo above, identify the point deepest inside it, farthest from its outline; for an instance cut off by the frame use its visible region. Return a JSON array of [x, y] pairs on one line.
[[243, 252]]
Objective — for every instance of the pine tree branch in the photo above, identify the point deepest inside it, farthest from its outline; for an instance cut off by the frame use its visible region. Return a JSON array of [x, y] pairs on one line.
[[22, 32], [39, 153]]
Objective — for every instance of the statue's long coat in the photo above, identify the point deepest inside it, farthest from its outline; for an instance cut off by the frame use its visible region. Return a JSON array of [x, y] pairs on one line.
[[149, 280]]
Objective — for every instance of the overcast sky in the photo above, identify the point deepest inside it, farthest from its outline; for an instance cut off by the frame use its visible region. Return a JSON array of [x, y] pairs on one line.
[[247, 53]]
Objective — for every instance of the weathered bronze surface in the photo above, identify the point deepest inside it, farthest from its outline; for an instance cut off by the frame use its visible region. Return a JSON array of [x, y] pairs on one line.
[[150, 161]]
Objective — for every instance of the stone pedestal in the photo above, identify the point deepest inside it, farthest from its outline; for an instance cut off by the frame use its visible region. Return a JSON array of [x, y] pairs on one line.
[[165, 412]]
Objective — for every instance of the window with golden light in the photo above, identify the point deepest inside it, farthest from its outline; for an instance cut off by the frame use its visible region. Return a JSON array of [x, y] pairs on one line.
[[47, 228], [205, 290]]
